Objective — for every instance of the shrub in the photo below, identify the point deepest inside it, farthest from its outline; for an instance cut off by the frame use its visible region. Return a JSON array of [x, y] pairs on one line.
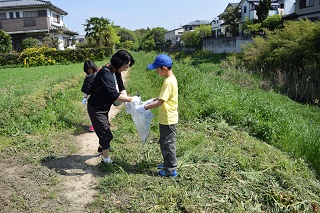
[[36, 57], [30, 43], [5, 42], [289, 57]]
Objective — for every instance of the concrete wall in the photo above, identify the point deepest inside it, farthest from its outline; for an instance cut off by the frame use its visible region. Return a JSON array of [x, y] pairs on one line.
[[225, 45]]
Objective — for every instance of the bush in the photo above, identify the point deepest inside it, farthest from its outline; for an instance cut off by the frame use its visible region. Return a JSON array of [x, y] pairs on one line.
[[36, 57], [30, 43], [5, 42], [49, 56], [289, 58]]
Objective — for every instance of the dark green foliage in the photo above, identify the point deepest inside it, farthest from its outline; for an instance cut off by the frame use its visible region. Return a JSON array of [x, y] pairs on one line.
[[231, 16], [128, 39], [263, 10], [47, 56], [289, 58], [153, 39], [9, 60], [5, 42], [30, 43], [273, 22], [100, 32]]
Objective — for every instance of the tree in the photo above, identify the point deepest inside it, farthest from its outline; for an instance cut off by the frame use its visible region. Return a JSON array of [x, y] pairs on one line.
[[100, 31], [273, 22], [153, 40], [231, 17], [263, 10], [127, 39], [5, 42], [189, 39], [50, 41], [193, 39], [30, 42]]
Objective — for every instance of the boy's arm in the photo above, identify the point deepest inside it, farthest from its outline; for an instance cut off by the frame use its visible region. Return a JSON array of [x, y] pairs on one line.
[[156, 103]]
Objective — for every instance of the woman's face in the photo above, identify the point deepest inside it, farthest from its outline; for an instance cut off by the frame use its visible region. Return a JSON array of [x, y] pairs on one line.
[[124, 67]]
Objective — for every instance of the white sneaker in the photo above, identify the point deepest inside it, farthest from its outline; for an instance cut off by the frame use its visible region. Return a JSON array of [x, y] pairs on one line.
[[106, 160]]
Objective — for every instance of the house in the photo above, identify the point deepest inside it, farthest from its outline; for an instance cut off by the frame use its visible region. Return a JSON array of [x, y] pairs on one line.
[[174, 36], [192, 25], [222, 28], [80, 39], [216, 27], [249, 12], [34, 18], [305, 9]]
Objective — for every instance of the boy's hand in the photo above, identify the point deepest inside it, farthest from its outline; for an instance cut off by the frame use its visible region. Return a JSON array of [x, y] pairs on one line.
[[149, 101]]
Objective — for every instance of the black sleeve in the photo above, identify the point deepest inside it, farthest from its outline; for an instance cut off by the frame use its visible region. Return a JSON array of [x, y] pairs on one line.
[[108, 84], [120, 82]]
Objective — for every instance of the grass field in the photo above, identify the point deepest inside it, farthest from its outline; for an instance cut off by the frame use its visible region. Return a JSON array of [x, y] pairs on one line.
[[240, 149]]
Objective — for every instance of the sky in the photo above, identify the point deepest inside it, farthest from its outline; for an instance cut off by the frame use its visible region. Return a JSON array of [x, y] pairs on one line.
[[137, 14]]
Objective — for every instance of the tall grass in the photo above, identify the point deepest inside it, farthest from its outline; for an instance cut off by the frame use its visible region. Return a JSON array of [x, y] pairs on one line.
[[268, 116], [221, 167], [224, 162]]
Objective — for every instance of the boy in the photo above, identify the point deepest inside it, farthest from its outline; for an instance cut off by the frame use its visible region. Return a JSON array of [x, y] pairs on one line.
[[168, 114]]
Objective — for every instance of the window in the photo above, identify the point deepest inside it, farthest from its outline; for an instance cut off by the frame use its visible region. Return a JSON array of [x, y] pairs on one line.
[[56, 18], [42, 13], [65, 42], [17, 15], [29, 22], [245, 9], [306, 3], [30, 14], [11, 14], [3, 16]]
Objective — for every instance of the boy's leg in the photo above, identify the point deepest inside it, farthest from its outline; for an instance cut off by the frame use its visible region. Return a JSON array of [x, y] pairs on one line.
[[168, 147]]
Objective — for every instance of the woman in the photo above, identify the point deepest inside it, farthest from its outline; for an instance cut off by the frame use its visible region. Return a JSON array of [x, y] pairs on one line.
[[108, 88]]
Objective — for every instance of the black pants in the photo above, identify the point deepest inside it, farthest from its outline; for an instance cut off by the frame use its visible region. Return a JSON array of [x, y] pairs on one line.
[[101, 125]]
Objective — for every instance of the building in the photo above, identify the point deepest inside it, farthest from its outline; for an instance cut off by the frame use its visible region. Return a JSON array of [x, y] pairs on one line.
[[305, 9], [174, 36], [192, 25], [34, 18], [216, 27], [224, 29]]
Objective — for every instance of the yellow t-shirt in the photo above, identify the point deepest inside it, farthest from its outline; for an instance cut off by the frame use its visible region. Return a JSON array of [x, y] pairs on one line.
[[168, 111]]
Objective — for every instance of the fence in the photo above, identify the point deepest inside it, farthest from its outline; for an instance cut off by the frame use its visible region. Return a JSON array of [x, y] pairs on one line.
[[226, 45]]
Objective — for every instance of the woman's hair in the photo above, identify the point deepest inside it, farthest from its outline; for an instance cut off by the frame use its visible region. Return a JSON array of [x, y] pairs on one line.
[[89, 64], [120, 58]]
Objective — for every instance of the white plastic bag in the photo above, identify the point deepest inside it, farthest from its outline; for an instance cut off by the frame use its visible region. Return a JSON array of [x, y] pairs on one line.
[[142, 121]]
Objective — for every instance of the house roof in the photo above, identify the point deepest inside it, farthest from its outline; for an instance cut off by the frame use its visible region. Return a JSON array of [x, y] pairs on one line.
[[197, 23], [230, 5], [8, 4], [64, 30]]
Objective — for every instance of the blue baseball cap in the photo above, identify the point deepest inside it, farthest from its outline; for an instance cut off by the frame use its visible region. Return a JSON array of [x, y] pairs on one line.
[[161, 60]]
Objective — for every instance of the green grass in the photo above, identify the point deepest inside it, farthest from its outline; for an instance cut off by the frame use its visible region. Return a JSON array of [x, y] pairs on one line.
[[239, 149], [224, 163]]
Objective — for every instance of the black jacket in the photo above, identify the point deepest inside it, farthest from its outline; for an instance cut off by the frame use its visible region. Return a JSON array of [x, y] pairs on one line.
[[104, 89]]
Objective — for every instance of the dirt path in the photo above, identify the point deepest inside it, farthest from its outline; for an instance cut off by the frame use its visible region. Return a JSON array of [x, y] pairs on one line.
[[80, 174]]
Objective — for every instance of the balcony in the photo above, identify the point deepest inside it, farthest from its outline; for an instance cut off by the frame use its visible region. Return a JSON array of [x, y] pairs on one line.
[[25, 25]]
